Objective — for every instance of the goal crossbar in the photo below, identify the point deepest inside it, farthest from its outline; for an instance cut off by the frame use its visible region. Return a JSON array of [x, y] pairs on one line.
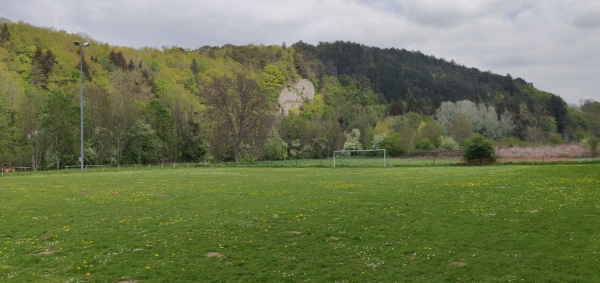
[[348, 152]]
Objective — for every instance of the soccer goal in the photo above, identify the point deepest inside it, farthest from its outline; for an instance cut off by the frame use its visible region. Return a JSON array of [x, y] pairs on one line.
[[360, 158]]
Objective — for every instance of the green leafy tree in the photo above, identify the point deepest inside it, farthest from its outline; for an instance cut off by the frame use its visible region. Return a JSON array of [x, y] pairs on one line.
[[194, 145], [460, 128], [31, 125], [483, 117], [479, 150], [159, 117], [142, 145], [594, 143], [60, 122], [236, 99], [432, 131], [591, 112], [9, 117], [127, 102], [5, 139], [271, 80]]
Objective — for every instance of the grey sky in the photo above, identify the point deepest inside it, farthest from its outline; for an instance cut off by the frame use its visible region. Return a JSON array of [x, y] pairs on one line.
[[552, 44]]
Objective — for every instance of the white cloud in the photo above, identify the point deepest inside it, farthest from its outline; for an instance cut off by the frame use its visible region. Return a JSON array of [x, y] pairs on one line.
[[549, 43]]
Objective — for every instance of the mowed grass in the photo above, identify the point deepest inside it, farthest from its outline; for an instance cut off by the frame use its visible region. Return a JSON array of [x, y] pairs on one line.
[[536, 223]]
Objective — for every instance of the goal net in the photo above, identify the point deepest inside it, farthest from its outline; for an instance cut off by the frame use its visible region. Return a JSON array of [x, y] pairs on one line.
[[360, 158]]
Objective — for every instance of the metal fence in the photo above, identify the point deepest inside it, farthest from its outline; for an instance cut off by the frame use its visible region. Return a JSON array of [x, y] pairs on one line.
[[298, 163]]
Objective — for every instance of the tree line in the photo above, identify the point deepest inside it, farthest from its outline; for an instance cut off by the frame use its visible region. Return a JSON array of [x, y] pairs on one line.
[[152, 105]]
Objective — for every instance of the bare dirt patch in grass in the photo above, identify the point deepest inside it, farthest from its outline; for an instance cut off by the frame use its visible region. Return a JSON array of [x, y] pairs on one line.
[[458, 263], [45, 252], [214, 254], [46, 236]]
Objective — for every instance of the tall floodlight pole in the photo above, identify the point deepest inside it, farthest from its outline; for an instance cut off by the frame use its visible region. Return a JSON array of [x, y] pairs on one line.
[[81, 162]]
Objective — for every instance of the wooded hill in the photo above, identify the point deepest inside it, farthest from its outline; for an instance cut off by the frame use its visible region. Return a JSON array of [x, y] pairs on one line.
[[151, 105]]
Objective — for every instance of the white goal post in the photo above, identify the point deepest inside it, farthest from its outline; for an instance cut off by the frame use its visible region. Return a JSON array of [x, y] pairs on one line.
[[361, 157]]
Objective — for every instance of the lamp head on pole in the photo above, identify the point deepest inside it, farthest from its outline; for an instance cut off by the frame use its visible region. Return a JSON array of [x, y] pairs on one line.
[[85, 44]]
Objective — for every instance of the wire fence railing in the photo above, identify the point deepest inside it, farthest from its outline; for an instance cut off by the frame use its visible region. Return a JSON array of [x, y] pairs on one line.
[[298, 163], [323, 163]]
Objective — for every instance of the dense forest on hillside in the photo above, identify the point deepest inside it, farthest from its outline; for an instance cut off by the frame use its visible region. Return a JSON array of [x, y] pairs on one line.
[[151, 105]]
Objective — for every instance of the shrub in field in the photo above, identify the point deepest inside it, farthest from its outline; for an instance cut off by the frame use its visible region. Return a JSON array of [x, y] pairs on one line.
[[479, 150], [394, 145], [276, 149], [425, 144], [555, 139], [448, 143]]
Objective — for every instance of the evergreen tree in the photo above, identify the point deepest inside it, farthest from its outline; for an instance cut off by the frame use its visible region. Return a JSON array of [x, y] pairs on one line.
[[4, 36], [42, 64], [194, 67], [118, 59], [558, 108]]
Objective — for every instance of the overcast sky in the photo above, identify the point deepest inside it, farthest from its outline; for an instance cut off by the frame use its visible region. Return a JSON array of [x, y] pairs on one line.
[[553, 44]]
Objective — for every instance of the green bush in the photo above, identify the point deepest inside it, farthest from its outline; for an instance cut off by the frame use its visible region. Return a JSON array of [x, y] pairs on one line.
[[479, 150], [425, 144], [275, 149], [448, 143], [394, 145], [555, 139]]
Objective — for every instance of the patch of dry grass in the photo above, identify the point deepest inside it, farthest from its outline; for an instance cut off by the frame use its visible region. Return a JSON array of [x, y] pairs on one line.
[[549, 152]]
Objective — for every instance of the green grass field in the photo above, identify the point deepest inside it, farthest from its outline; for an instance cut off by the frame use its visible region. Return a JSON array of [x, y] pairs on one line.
[[505, 223]]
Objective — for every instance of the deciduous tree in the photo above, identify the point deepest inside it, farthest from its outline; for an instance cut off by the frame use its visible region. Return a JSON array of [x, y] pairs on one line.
[[236, 98], [59, 122]]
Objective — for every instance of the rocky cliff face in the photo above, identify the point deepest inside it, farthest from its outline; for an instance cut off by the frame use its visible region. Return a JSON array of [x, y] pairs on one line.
[[292, 97]]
